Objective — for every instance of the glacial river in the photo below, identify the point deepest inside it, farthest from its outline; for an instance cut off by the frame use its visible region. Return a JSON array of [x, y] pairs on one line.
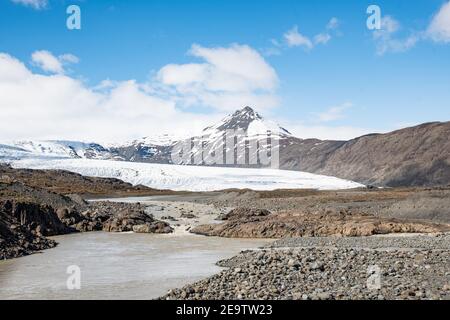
[[117, 265]]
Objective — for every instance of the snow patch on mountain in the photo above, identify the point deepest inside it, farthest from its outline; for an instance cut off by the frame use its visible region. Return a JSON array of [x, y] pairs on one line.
[[56, 149], [160, 140]]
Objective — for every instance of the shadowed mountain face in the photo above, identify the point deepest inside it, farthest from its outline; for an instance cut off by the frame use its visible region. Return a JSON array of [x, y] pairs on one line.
[[417, 156]]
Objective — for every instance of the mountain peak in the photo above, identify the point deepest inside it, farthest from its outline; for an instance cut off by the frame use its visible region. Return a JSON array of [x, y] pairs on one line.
[[246, 119], [241, 119], [247, 113]]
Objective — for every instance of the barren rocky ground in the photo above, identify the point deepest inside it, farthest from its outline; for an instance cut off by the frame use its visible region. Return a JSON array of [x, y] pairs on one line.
[[360, 212], [308, 263], [428, 204], [254, 223], [332, 244], [328, 269]]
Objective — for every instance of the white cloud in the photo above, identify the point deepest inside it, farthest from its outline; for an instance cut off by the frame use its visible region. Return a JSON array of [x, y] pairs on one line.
[[69, 58], [57, 106], [35, 4], [322, 38], [438, 31], [296, 39], [439, 28], [49, 63], [293, 38], [333, 24], [240, 64], [181, 75], [226, 79], [334, 113], [385, 40]]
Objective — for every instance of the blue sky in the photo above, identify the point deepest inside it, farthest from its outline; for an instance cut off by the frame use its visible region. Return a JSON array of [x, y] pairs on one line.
[[353, 83]]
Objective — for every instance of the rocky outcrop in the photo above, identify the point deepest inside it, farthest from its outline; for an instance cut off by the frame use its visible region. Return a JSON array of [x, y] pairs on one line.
[[28, 215], [244, 223], [125, 217], [39, 219], [24, 227]]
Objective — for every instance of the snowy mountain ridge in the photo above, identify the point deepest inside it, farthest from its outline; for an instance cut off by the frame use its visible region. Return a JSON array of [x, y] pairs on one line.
[[148, 161], [152, 149], [57, 149]]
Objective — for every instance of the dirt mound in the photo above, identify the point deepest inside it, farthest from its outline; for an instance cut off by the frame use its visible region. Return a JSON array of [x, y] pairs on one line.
[[125, 217]]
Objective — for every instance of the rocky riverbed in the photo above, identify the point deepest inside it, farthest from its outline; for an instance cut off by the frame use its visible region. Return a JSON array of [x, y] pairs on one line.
[[333, 270]]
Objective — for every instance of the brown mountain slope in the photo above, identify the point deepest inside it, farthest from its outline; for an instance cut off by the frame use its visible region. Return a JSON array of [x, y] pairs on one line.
[[416, 156]]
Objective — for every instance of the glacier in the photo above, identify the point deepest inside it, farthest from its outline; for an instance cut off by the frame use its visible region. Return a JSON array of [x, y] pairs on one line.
[[187, 178]]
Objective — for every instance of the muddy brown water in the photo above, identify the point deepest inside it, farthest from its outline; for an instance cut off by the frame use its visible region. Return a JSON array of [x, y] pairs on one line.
[[117, 265]]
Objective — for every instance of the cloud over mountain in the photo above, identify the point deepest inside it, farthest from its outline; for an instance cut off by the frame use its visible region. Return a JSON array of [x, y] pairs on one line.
[[55, 105], [439, 29], [227, 77]]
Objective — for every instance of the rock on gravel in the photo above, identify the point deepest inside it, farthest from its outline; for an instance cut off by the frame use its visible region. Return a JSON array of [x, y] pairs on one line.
[[385, 242], [327, 273]]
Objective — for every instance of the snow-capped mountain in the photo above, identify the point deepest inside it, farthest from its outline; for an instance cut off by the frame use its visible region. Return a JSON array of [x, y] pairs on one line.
[[411, 156], [248, 120], [154, 149], [148, 161], [244, 123], [56, 149], [244, 135]]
